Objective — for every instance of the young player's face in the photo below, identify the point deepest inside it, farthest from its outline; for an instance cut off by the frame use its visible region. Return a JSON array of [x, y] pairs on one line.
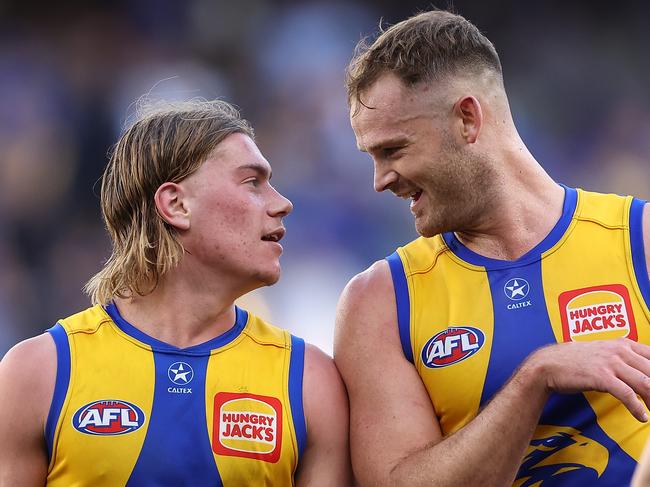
[[235, 214], [412, 136]]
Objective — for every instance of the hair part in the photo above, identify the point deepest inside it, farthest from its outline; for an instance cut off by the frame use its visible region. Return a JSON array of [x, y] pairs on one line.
[[167, 143], [426, 47]]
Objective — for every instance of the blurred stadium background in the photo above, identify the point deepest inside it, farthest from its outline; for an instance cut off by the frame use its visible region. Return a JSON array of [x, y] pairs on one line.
[[576, 73]]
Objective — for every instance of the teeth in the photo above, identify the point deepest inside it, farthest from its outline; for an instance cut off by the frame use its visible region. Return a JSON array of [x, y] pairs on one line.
[[412, 194]]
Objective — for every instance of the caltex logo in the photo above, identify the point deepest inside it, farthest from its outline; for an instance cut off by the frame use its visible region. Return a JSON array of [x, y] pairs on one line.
[[180, 373], [516, 289]]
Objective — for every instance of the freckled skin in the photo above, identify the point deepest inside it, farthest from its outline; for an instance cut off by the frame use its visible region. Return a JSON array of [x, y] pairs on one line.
[[231, 210]]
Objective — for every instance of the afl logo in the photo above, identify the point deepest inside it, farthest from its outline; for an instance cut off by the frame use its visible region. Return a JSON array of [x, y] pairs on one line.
[[451, 346], [108, 417]]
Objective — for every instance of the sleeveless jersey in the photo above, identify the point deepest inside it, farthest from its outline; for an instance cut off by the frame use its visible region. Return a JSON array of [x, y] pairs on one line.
[[466, 322], [131, 410]]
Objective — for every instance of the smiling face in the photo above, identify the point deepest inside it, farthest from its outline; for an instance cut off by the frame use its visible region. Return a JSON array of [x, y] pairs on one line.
[[413, 135], [235, 215]]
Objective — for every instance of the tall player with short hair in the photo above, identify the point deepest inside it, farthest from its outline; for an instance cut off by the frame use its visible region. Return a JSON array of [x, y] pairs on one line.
[[509, 343], [165, 381]]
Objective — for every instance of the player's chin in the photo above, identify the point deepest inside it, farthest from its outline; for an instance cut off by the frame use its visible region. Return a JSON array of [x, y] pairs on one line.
[[270, 276], [425, 228]]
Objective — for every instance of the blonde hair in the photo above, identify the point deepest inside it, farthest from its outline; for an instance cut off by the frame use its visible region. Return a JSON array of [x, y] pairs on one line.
[[167, 143]]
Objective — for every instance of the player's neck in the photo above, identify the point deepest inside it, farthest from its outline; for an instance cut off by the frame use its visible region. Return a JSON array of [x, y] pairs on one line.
[[519, 218], [180, 314]]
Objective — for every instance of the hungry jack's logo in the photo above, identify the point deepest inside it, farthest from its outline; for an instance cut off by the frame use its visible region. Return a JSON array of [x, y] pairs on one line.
[[598, 312], [247, 425]]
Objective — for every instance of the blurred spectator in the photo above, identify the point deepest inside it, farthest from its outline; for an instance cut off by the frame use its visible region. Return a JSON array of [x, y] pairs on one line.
[[70, 74]]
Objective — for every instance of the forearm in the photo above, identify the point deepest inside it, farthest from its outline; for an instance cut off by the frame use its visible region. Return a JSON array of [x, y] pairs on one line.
[[489, 449]]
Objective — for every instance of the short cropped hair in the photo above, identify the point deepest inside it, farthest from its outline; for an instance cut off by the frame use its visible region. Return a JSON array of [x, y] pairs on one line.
[[425, 47], [167, 143]]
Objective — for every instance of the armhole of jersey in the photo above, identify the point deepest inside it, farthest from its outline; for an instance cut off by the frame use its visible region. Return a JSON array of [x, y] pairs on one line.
[[403, 303], [637, 248], [296, 369], [61, 385]]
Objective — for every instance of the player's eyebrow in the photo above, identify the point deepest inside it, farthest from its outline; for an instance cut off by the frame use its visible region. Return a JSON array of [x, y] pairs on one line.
[[260, 169], [394, 142]]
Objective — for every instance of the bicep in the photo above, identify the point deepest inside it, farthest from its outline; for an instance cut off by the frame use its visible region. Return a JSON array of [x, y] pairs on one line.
[[391, 412], [326, 460], [27, 375]]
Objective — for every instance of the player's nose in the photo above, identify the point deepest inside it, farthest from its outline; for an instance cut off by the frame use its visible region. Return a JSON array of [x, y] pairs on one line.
[[384, 178], [281, 205]]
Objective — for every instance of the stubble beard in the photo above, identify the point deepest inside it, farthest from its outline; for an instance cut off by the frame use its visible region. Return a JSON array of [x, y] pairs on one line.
[[460, 191]]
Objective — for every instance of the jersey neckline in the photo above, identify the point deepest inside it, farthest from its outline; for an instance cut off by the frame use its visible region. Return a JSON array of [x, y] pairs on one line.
[[534, 254], [241, 318]]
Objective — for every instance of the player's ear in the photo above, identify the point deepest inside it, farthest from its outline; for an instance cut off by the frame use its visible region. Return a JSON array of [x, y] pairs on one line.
[[468, 110], [171, 206]]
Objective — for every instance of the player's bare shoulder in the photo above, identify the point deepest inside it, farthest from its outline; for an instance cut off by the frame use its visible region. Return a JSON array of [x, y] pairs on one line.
[[326, 460], [323, 387], [27, 377], [366, 320], [646, 234]]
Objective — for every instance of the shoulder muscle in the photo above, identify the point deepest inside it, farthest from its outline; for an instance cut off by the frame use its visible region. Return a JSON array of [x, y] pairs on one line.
[[388, 402], [27, 377], [646, 234], [27, 374], [326, 458]]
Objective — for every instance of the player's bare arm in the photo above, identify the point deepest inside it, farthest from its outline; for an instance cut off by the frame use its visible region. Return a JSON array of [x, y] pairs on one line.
[[27, 376], [646, 234], [642, 473], [395, 435], [390, 406], [326, 460]]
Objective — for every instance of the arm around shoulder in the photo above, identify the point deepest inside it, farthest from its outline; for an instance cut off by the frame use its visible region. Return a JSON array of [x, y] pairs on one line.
[[326, 459], [27, 377]]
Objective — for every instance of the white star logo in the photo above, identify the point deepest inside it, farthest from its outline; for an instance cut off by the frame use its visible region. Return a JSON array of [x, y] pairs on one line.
[[516, 288], [180, 373]]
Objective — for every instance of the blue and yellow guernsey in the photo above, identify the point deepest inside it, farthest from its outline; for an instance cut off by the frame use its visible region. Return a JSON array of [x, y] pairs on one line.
[[467, 322], [129, 410]]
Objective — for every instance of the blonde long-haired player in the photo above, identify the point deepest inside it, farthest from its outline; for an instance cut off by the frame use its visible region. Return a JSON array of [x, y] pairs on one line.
[[164, 381]]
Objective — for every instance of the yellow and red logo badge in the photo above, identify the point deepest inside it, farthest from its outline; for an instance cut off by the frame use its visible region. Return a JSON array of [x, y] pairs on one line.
[[597, 313], [247, 425]]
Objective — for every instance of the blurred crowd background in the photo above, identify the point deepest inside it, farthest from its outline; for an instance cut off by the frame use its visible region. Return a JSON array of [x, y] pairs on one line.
[[70, 72]]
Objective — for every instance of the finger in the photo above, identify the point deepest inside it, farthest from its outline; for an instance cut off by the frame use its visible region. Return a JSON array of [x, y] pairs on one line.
[[638, 362], [642, 349], [636, 379], [626, 394]]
